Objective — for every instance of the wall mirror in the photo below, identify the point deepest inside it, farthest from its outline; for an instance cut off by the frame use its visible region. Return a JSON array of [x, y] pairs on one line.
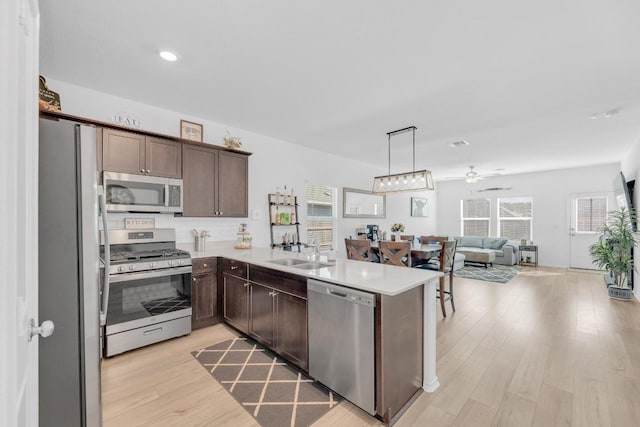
[[363, 204]]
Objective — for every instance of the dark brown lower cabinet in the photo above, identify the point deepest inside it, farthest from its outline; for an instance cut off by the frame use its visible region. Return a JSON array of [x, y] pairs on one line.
[[261, 301], [236, 302], [204, 293], [291, 328], [278, 313]]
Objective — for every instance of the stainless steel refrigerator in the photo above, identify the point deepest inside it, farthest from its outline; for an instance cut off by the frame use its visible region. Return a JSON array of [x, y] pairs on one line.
[[69, 265]]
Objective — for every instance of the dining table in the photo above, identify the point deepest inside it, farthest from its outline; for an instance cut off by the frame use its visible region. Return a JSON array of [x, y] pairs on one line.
[[423, 251]]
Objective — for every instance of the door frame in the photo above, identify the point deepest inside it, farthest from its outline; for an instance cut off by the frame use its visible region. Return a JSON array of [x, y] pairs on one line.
[[19, 41]]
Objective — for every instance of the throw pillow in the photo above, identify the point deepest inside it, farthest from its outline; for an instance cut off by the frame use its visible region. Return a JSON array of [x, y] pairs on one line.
[[496, 244]]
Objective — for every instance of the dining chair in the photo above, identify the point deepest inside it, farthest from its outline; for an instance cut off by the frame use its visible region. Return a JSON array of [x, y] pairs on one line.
[[395, 253], [409, 237], [359, 250], [444, 265]]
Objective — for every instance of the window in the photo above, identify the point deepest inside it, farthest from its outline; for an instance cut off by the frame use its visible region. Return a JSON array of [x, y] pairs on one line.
[[475, 217], [321, 215], [591, 212], [515, 218]]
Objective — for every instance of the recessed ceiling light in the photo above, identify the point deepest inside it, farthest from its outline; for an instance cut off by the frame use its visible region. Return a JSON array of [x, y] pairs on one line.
[[168, 56], [457, 144]]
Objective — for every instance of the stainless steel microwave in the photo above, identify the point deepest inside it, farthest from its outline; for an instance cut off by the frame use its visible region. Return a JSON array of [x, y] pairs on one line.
[[142, 193]]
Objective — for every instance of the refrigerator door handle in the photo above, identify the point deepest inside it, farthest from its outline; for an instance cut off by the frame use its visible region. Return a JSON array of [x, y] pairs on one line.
[[107, 257]]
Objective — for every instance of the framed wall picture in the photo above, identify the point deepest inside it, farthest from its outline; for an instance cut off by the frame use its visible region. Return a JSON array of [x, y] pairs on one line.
[[419, 207], [191, 131]]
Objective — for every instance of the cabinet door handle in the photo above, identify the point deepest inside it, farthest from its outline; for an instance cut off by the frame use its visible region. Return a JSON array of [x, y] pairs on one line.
[[194, 279], [142, 170], [234, 267], [148, 171], [220, 213], [204, 265]]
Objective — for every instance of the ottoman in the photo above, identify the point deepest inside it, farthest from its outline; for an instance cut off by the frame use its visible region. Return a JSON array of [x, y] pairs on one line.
[[479, 257]]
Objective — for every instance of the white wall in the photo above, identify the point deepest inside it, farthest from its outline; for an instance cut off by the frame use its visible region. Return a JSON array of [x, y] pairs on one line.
[[550, 191], [630, 166], [273, 163]]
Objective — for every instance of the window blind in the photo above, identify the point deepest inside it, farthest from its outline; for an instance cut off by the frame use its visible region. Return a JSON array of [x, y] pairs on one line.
[[475, 214], [591, 213], [515, 217], [320, 215]]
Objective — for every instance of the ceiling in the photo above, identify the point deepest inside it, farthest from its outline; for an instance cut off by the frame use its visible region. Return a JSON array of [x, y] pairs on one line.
[[519, 82]]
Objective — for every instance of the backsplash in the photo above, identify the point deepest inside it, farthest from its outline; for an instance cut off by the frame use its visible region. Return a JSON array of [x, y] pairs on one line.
[[220, 229]]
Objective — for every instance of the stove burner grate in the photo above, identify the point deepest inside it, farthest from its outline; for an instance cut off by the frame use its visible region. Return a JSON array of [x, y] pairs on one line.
[[166, 305], [145, 255]]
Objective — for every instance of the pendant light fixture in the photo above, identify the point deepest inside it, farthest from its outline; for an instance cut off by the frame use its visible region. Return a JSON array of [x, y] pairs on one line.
[[408, 181]]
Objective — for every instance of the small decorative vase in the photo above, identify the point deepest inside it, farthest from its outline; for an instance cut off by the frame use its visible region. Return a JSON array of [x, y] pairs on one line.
[[393, 237]]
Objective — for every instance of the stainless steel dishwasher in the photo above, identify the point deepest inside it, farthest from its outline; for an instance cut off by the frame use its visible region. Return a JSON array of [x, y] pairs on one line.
[[341, 341]]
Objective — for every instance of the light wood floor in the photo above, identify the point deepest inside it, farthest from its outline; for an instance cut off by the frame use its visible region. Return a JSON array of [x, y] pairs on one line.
[[549, 348]]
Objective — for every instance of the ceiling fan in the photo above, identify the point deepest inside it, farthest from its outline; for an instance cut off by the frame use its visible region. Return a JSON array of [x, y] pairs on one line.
[[472, 176]]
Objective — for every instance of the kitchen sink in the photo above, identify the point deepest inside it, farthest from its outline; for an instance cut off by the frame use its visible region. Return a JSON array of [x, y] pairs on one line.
[[304, 264], [314, 264], [289, 262]]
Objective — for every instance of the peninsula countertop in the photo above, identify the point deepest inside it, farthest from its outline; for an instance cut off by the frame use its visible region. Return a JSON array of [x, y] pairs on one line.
[[366, 276]]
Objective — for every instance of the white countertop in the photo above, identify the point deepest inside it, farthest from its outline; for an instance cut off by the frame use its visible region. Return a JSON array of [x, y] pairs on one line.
[[367, 276]]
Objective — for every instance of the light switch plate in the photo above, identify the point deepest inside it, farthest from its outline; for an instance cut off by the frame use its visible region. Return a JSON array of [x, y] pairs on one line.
[[139, 223]]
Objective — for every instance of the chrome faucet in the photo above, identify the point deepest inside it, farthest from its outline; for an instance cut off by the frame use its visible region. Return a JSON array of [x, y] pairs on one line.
[[316, 248]]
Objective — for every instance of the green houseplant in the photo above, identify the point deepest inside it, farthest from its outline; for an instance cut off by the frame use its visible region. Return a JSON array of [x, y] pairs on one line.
[[612, 251]]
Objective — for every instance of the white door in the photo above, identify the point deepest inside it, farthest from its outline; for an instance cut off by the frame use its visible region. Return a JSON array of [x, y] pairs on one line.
[[587, 214], [19, 32]]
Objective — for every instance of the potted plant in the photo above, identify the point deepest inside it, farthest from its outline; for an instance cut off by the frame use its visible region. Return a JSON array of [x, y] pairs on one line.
[[396, 229], [612, 251]]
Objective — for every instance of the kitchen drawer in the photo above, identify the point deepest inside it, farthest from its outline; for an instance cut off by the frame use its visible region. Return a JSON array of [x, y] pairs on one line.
[[203, 265], [285, 282], [233, 267]]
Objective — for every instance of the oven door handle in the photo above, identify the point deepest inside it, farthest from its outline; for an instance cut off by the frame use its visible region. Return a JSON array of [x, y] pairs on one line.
[[149, 274], [107, 256]]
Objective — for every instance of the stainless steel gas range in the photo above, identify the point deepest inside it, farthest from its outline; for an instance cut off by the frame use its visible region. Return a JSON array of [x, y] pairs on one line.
[[145, 289]]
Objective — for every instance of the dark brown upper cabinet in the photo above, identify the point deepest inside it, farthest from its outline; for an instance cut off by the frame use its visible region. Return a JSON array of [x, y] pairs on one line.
[[215, 182], [134, 153]]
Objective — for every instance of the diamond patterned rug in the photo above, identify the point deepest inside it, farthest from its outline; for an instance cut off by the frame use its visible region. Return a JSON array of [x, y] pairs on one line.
[[497, 273], [273, 392]]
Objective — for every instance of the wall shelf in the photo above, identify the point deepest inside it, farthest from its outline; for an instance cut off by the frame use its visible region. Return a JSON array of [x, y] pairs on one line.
[[280, 211]]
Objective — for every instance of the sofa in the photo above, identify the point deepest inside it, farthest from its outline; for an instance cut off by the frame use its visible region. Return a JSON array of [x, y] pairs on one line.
[[505, 253]]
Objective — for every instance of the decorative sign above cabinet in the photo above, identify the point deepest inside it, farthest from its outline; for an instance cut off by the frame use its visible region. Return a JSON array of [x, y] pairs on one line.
[[126, 119]]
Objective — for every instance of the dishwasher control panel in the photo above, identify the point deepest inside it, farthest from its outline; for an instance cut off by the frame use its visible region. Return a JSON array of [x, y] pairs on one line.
[[352, 295]]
